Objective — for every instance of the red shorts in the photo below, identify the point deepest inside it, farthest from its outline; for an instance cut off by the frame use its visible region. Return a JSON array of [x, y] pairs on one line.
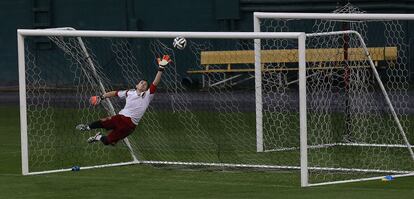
[[120, 125]]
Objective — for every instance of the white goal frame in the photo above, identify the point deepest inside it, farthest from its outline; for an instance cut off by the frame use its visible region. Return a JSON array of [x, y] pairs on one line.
[[257, 16], [70, 32]]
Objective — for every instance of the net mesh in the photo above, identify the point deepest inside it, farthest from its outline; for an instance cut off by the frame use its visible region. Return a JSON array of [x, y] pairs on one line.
[[211, 125], [54, 104], [351, 131]]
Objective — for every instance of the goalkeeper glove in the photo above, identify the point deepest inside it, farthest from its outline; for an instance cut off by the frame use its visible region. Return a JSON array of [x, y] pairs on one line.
[[162, 63], [95, 100]]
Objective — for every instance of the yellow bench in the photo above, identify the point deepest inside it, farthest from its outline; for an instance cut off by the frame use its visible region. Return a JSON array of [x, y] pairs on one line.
[[227, 59]]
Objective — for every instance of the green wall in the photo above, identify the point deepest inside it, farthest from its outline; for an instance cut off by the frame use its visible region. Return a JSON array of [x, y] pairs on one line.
[[174, 15]]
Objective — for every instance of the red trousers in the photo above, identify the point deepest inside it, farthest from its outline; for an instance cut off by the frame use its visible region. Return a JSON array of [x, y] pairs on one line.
[[120, 126]]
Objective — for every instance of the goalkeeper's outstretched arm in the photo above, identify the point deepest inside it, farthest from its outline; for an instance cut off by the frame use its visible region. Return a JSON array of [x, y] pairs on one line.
[[162, 63], [157, 78], [95, 100], [109, 94]]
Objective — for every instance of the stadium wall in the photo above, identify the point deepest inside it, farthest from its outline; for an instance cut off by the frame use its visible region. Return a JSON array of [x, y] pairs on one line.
[[183, 15]]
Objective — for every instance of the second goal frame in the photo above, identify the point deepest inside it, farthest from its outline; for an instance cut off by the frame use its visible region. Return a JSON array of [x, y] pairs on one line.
[[341, 17]]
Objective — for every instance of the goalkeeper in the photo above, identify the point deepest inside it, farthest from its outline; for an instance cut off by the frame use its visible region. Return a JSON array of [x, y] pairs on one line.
[[124, 123]]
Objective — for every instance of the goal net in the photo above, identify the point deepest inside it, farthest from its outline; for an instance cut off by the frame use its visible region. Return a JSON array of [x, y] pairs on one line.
[[59, 69], [359, 124]]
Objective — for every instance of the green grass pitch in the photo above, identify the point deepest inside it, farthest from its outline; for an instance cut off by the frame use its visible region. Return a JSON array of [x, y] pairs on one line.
[[144, 181]]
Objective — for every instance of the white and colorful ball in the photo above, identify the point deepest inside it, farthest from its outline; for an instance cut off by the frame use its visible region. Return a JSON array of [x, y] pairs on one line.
[[180, 43]]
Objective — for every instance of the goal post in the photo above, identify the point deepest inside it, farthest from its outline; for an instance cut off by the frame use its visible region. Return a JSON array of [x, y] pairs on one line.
[[352, 135], [181, 127]]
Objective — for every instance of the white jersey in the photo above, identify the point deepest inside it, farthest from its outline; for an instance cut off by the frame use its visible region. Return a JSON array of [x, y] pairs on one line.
[[136, 103]]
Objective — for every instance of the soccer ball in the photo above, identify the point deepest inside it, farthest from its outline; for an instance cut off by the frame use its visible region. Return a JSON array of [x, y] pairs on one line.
[[180, 43]]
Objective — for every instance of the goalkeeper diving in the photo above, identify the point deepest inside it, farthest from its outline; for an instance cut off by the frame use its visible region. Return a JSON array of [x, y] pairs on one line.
[[136, 103]]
